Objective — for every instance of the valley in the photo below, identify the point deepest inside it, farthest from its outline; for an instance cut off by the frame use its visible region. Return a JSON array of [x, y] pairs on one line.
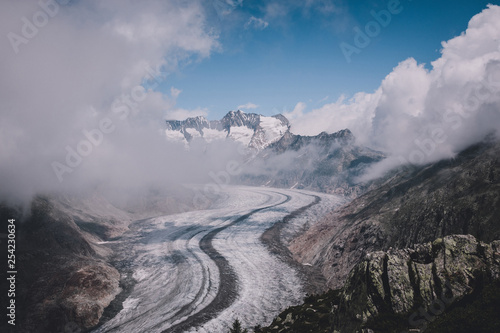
[[199, 271], [230, 166]]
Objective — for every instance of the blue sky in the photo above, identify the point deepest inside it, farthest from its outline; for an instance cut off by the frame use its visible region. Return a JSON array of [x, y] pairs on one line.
[[277, 53], [85, 65]]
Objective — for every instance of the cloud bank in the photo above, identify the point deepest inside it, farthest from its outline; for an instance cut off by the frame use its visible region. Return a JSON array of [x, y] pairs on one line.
[[419, 115], [78, 108]]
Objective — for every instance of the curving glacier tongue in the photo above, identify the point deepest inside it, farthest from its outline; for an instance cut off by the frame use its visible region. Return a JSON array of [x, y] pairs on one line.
[[199, 271]]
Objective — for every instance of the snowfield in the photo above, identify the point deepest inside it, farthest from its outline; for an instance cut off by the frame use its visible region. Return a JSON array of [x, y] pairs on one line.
[[241, 134], [273, 129], [199, 271]]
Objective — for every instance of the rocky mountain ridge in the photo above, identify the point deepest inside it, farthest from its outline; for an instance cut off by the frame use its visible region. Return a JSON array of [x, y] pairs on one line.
[[419, 250], [250, 129], [326, 162], [410, 206]]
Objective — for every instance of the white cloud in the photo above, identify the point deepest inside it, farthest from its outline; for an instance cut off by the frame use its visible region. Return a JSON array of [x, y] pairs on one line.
[[277, 9], [80, 67], [171, 112], [256, 23], [354, 114], [297, 112], [420, 115], [247, 106]]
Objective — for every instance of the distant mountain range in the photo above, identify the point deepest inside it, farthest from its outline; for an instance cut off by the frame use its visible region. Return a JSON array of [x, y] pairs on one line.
[[250, 129], [327, 162], [407, 241]]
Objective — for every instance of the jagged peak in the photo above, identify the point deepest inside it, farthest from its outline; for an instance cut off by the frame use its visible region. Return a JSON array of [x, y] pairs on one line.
[[236, 113], [264, 131], [284, 120], [345, 135], [345, 132], [196, 118]]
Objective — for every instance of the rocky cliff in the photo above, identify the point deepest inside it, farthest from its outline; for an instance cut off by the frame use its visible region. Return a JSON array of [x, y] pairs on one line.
[[414, 205], [414, 285], [408, 290]]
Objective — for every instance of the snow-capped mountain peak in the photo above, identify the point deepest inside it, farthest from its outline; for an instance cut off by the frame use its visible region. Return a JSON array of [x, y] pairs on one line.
[[251, 129]]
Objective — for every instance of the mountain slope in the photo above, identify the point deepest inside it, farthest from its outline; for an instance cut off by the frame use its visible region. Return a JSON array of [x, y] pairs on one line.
[[65, 279], [325, 162], [418, 205]]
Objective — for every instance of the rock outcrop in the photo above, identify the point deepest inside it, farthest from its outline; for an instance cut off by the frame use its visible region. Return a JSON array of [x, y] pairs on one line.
[[415, 284]]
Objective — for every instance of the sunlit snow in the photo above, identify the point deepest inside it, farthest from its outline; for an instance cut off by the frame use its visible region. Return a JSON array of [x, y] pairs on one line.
[[273, 128], [241, 134]]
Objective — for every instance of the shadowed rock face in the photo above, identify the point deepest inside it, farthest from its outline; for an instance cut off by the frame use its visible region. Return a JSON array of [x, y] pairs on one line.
[[64, 280], [88, 291], [421, 280], [459, 196]]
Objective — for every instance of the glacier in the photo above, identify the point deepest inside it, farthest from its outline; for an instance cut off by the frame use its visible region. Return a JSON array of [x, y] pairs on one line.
[[179, 284]]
